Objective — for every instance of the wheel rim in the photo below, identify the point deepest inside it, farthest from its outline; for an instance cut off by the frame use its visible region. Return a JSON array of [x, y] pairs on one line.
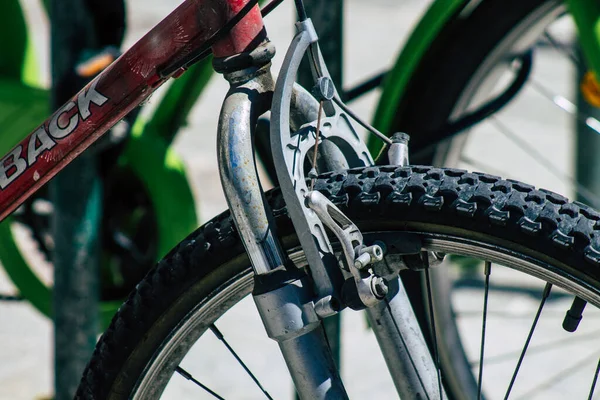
[[160, 370], [449, 153]]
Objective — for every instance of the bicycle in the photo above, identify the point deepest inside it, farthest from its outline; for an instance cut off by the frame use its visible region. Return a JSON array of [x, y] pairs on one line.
[[443, 32], [429, 205]]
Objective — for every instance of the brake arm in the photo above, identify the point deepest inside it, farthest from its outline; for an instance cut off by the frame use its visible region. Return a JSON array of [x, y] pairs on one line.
[[356, 256]]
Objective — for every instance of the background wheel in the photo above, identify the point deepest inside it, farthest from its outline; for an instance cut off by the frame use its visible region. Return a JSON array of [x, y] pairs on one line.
[[142, 226]]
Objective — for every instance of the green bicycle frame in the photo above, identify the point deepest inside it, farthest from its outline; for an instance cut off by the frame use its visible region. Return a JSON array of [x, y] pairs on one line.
[[397, 79], [586, 14]]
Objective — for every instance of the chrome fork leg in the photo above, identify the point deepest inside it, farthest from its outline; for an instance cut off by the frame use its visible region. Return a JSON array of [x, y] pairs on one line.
[[282, 294], [396, 327], [403, 346], [290, 318]]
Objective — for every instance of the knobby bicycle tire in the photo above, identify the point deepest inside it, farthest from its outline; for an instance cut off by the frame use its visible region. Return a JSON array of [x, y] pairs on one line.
[[439, 92], [536, 225]]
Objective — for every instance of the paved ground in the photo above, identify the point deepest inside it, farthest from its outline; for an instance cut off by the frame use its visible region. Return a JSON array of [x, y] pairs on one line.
[[26, 370]]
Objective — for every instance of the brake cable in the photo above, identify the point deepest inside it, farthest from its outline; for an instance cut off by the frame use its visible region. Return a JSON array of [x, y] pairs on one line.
[[206, 50]]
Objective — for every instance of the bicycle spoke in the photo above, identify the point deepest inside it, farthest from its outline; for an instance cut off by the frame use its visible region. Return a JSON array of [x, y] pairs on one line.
[[553, 380], [506, 315], [584, 192], [561, 48], [545, 295], [436, 355], [124, 243], [488, 271], [507, 288], [189, 377], [594, 381], [566, 105], [581, 190], [220, 336], [577, 340]]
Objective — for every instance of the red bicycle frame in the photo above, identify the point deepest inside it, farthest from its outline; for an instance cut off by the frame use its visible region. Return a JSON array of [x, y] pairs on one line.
[[118, 90]]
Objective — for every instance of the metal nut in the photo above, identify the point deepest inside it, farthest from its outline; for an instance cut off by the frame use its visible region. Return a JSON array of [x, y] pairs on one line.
[[379, 287]]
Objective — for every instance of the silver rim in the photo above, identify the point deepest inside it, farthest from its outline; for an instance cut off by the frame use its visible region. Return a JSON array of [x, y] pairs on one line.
[[174, 349], [449, 153]]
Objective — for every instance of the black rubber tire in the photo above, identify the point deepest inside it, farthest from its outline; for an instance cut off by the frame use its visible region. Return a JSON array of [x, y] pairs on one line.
[[531, 223], [438, 84]]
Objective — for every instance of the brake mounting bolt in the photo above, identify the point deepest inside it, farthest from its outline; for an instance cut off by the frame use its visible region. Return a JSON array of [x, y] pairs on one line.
[[323, 89], [379, 287], [368, 255], [362, 261]]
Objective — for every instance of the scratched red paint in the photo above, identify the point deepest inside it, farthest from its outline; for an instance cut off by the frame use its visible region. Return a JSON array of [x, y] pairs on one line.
[[129, 81], [243, 33]]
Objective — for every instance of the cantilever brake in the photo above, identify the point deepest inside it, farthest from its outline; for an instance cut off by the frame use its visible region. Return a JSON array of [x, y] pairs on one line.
[[356, 256]]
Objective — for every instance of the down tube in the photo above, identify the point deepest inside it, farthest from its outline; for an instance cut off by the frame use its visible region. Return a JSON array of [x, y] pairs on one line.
[[119, 89]]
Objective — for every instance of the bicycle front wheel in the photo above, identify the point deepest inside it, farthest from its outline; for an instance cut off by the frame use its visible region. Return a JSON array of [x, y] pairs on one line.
[[165, 339]]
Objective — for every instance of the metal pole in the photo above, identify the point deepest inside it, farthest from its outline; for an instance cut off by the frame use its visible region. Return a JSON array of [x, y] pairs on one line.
[[77, 197], [327, 17]]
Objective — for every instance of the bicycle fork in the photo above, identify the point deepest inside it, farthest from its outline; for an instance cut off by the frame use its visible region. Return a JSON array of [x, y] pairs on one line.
[[281, 293], [290, 303]]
